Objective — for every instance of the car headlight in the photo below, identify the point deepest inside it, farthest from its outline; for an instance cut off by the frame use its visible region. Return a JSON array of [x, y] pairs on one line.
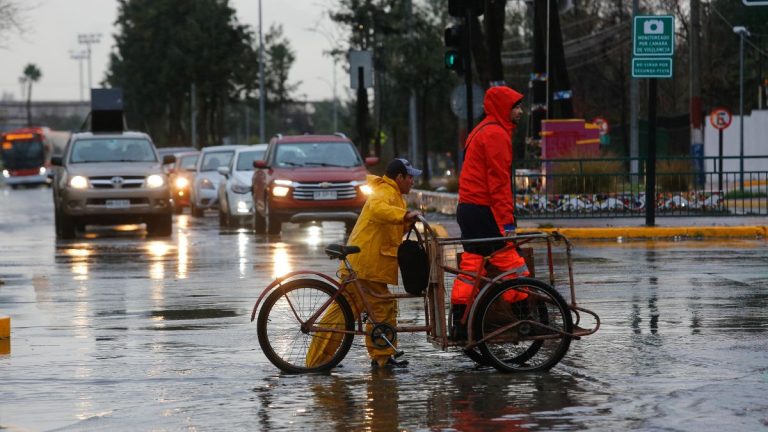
[[240, 188], [181, 183], [155, 181], [206, 184], [365, 189], [243, 206], [280, 191], [280, 188], [42, 171], [6, 173], [78, 182]]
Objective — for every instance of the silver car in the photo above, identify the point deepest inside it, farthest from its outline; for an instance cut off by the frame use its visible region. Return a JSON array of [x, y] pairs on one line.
[[235, 200], [204, 193]]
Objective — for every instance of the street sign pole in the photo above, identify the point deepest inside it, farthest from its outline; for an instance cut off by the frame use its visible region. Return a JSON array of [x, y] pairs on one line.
[[650, 165], [720, 164], [653, 47]]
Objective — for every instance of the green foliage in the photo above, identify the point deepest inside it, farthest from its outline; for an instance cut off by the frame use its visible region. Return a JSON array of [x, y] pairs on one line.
[[674, 175], [163, 47], [408, 57], [600, 174], [31, 75], [737, 194]]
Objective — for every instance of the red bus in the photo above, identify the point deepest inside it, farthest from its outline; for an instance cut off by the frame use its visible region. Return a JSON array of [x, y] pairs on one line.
[[26, 155]]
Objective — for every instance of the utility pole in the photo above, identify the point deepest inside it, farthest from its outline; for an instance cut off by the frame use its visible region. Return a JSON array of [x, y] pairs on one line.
[[742, 32], [634, 103], [79, 56], [193, 116], [262, 95], [697, 122], [89, 39], [412, 120]]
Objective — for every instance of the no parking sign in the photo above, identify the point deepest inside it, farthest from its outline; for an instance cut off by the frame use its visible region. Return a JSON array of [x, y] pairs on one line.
[[720, 118]]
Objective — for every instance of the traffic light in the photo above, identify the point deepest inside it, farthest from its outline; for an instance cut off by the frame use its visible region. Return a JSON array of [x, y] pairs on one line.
[[454, 38]]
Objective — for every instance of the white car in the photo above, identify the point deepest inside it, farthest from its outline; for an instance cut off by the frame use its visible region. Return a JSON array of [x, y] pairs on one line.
[[235, 200], [204, 193]]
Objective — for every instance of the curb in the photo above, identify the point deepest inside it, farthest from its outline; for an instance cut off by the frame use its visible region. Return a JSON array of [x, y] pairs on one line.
[[756, 231]]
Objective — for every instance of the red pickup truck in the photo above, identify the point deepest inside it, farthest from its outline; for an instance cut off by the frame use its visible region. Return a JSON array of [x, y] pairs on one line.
[[309, 178]]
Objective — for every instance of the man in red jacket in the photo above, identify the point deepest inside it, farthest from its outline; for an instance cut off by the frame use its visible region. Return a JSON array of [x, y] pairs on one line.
[[486, 208]]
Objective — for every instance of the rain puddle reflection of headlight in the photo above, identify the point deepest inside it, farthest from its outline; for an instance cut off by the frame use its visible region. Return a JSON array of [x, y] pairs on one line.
[[79, 261], [281, 264], [182, 255], [157, 250], [313, 235], [242, 251]]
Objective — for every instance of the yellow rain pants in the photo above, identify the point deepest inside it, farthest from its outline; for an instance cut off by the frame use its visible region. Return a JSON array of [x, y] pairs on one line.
[[325, 344]]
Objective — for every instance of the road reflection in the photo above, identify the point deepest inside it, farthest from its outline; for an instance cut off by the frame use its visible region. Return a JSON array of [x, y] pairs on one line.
[[280, 261]]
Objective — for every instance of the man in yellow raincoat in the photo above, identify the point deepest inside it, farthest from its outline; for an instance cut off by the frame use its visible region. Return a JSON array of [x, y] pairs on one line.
[[378, 232]]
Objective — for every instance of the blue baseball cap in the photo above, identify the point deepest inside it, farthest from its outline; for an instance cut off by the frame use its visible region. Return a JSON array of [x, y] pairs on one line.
[[401, 166]]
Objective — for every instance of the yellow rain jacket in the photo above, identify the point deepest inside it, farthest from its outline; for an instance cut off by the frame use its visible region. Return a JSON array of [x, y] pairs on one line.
[[378, 233]]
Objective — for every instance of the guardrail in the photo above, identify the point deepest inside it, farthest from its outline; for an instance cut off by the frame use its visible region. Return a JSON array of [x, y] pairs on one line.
[[588, 188]]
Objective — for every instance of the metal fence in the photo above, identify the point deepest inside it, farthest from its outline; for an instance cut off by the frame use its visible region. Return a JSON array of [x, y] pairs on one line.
[[589, 188]]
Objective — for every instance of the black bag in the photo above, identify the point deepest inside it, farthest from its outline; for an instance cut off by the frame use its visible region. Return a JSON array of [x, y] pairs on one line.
[[414, 264]]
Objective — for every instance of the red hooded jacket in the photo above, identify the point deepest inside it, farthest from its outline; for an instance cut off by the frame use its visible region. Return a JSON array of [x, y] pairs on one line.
[[485, 177]]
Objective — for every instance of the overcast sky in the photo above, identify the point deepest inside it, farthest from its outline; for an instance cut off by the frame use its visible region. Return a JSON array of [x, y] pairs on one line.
[[54, 26]]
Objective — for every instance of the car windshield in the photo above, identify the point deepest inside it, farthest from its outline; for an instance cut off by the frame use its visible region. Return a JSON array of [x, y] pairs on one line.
[[246, 158], [213, 160], [188, 162], [334, 154], [112, 150]]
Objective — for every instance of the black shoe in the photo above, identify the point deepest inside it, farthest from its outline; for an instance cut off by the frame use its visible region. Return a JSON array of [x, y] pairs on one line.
[[458, 331], [391, 363]]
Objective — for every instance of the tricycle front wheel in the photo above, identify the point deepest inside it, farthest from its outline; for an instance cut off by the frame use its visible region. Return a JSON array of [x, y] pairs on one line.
[[296, 350]]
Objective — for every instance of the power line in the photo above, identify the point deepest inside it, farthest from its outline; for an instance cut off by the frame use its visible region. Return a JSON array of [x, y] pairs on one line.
[[730, 26]]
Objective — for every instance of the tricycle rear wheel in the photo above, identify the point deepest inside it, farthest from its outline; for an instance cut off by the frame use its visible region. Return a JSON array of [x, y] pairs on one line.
[[532, 340]]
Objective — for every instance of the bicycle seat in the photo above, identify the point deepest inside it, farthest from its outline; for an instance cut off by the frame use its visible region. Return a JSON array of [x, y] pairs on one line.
[[339, 251]]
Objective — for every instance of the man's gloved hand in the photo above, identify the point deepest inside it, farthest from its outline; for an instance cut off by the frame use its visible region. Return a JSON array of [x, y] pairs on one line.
[[509, 230]]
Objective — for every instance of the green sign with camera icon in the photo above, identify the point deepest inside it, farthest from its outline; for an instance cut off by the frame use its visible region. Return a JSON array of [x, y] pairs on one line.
[[654, 35], [653, 45]]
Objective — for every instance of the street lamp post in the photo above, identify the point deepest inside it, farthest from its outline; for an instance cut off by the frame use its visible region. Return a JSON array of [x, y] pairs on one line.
[[89, 39], [741, 31], [79, 56], [262, 96]]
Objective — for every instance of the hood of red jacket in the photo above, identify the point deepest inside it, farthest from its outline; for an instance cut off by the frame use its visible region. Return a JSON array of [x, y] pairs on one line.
[[498, 103]]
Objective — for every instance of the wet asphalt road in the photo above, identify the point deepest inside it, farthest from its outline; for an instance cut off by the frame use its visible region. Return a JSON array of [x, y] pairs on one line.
[[118, 332]]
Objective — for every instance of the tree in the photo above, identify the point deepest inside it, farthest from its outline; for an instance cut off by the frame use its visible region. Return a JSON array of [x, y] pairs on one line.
[[279, 58], [10, 19], [163, 47], [31, 75]]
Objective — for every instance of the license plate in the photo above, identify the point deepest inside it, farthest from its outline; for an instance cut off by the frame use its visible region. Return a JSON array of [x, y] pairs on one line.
[[118, 204], [325, 195]]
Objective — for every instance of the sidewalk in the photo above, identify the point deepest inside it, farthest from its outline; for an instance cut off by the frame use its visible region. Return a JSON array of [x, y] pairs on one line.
[[628, 228]]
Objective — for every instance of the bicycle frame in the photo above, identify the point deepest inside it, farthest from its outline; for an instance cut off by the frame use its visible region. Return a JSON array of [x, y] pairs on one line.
[[435, 306], [341, 287]]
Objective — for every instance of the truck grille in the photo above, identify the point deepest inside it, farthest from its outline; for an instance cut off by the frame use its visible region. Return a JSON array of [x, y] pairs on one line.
[[306, 191], [117, 182]]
